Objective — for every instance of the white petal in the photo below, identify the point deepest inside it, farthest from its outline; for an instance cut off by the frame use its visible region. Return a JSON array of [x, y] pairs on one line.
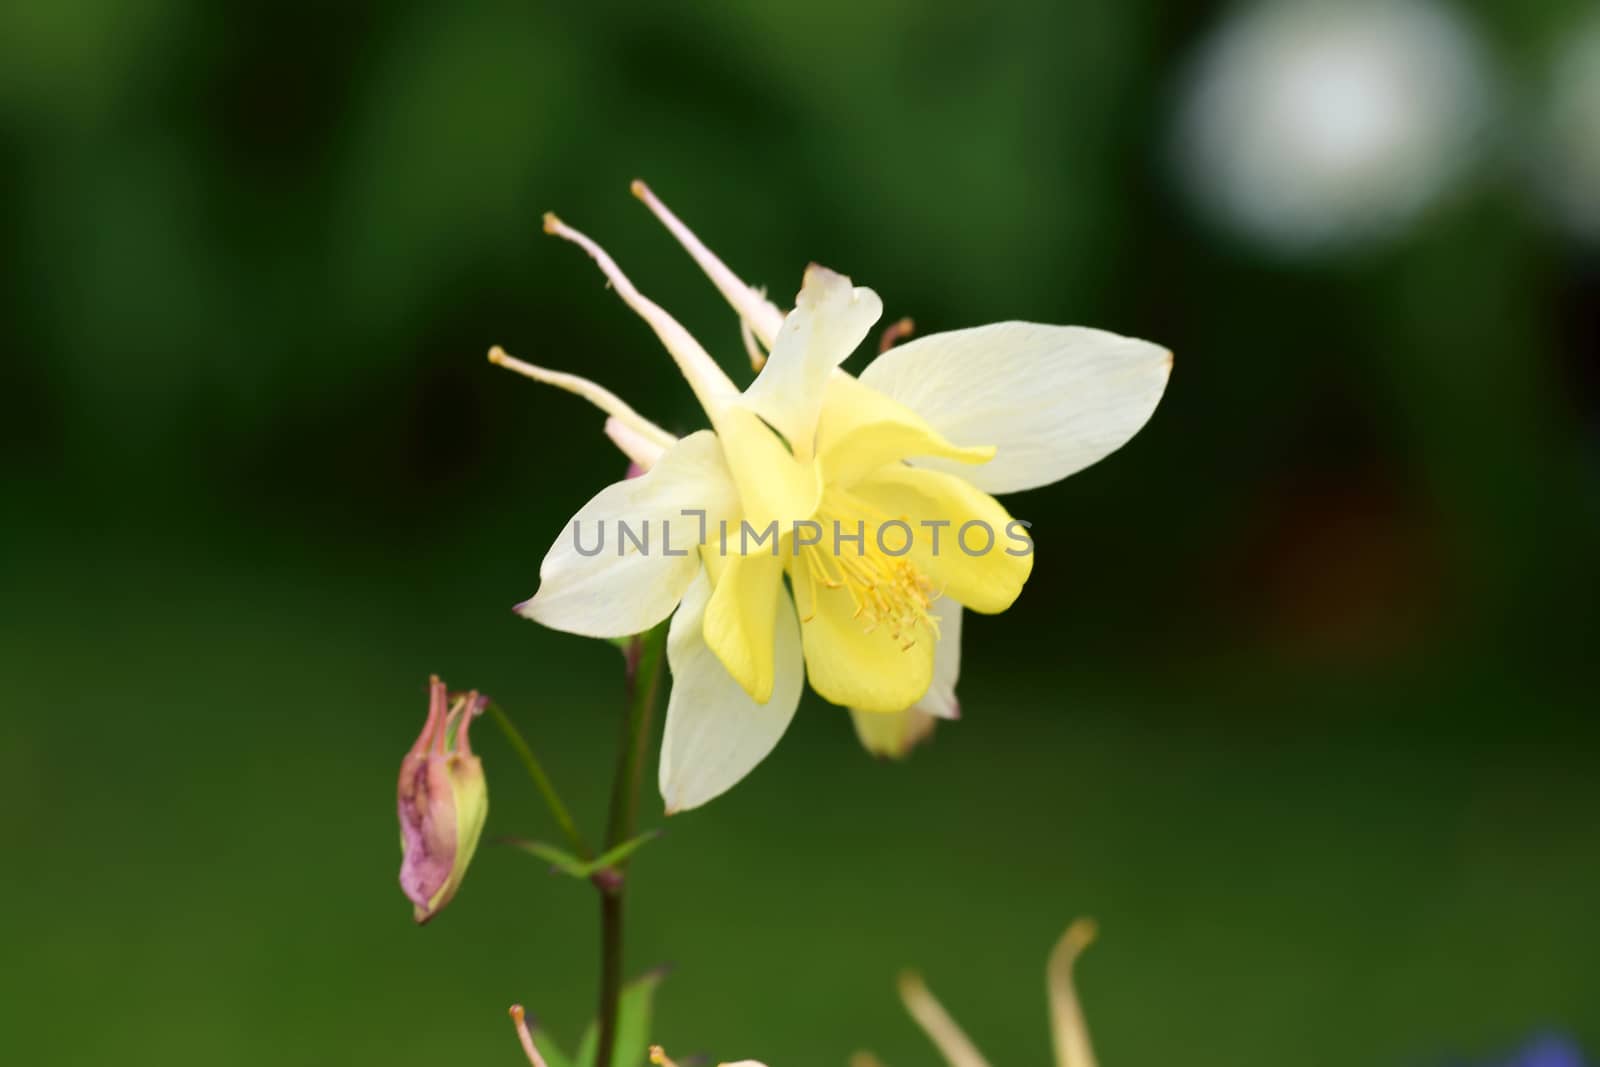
[[715, 733], [830, 318], [1052, 399], [940, 700], [623, 589]]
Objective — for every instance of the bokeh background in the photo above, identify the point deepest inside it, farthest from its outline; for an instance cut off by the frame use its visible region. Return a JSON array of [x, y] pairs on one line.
[[1299, 701]]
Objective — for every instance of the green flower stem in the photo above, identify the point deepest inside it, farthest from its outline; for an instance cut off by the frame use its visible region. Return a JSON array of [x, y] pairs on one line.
[[541, 781], [646, 658], [646, 662]]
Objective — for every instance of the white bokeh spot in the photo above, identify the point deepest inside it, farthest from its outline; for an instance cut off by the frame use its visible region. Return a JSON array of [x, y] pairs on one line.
[[1569, 146], [1307, 124]]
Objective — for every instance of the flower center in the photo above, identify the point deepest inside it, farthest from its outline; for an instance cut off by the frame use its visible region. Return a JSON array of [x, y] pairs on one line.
[[868, 556]]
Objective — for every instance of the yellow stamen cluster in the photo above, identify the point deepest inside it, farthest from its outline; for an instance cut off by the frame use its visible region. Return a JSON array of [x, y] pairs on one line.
[[887, 590]]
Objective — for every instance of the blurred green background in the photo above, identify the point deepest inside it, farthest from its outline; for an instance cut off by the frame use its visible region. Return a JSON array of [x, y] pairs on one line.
[[1298, 703]]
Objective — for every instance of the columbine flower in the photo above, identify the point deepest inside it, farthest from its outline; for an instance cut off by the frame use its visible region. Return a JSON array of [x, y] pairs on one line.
[[908, 455], [1069, 1037], [443, 802]]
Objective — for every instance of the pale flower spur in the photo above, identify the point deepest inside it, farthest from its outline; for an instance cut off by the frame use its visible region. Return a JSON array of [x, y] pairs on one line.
[[1069, 1034]]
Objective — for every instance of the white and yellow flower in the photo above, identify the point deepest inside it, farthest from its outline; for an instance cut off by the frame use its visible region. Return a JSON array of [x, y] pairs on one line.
[[917, 445]]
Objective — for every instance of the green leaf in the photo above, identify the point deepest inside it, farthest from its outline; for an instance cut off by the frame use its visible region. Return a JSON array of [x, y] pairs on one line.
[[632, 1046], [588, 1047], [563, 861], [633, 1020], [567, 863], [623, 851], [553, 1056]]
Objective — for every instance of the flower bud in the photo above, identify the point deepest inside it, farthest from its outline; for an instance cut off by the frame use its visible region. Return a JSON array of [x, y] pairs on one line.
[[443, 802], [893, 734]]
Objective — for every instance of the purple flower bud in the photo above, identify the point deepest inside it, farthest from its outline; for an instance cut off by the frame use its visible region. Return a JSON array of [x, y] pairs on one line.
[[443, 802]]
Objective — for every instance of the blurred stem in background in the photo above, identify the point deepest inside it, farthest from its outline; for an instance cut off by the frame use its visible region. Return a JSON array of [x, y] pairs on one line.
[[646, 656]]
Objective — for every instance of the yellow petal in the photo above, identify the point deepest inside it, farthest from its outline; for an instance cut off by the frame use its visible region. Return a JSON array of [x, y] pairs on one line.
[[773, 485], [741, 617], [963, 540], [860, 430], [876, 671]]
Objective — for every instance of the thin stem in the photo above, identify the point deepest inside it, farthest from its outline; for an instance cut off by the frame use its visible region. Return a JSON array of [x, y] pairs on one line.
[[610, 971], [645, 660], [541, 781], [646, 657]]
